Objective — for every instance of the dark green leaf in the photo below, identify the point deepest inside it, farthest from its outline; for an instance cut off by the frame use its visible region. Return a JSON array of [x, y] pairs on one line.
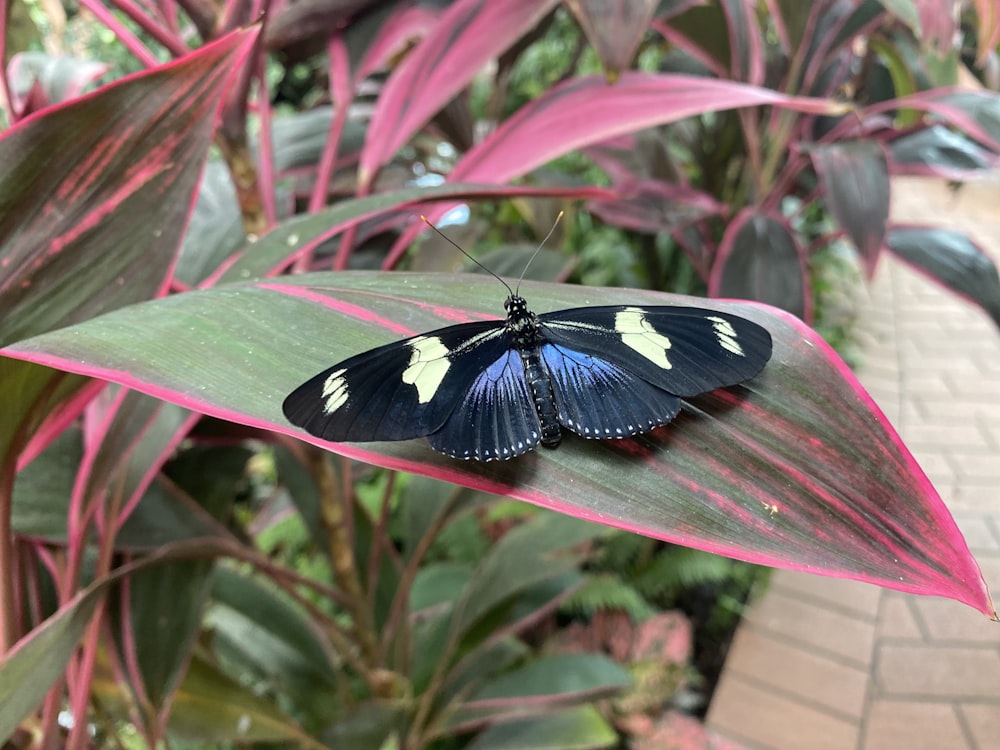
[[953, 260], [759, 259], [576, 729]]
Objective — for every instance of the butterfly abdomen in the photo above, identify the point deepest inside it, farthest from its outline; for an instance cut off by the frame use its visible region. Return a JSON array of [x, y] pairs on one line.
[[540, 384], [524, 327]]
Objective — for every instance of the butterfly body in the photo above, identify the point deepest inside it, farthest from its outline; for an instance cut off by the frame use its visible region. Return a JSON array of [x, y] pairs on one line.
[[497, 389]]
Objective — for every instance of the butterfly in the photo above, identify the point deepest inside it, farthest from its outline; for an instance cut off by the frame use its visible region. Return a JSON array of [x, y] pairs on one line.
[[497, 389]]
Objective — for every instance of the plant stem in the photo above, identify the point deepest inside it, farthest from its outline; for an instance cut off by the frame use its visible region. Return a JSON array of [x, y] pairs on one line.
[[342, 558], [7, 600]]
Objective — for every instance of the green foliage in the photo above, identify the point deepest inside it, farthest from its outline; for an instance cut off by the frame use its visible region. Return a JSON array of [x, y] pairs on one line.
[[639, 576], [607, 592]]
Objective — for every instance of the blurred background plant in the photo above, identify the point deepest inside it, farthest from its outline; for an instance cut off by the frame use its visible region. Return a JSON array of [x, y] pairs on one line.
[[359, 607]]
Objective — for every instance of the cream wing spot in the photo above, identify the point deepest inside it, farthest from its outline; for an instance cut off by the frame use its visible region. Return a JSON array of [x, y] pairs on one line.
[[428, 366], [726, 334], [639, 335], [335, 392]]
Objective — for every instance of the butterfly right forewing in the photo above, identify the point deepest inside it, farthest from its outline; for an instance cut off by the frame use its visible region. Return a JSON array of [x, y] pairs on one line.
[[685, 351]]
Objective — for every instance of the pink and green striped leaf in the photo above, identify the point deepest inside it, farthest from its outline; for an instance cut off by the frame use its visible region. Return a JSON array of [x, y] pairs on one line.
[[302, 234], [466, 37], [94, 197], [796, 469], [583, 111], [95, 193]]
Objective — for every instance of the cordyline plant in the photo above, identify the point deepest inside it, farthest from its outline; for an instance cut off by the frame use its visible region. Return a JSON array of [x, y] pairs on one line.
[[128, 592]]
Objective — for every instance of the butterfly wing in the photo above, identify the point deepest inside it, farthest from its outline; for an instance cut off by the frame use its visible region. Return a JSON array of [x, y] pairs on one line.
[[496, 418], [399, 391], [682, 350], [597, 398]]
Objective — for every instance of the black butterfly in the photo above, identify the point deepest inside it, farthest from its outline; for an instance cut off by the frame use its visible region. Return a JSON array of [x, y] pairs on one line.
[[496, 389]]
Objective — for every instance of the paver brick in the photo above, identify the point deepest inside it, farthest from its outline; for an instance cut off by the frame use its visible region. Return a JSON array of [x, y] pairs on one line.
[[924, 671], [913, 726], [768, 721]]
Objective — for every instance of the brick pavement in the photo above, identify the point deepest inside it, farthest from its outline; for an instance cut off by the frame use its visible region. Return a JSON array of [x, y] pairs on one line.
[[825, 664]]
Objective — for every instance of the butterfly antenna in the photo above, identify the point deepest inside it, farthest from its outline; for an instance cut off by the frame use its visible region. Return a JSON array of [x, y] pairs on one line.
[[459, 248], [538, 250]]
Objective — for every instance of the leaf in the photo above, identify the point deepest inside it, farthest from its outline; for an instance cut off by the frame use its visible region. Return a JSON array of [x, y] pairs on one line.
[[939, 151], [576, 729], [614, 29], [29, 670], [466, 36], [855, 181], [38, 79], [297, 236], [427, 504], [759, 259], [908, 12], [582, 111], [44, 488], [37, 660], [535, 551], [92, 222], [797, 468], [988, 30], [156, 622], [650, 205], [272, 639], [544, 682], [210, 707], [746, 38], [951, 259], [215, 229], [697, 32], [977, 113]]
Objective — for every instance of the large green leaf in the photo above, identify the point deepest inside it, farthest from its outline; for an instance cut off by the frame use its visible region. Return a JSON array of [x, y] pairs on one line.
[[797, 468], [210, 707]]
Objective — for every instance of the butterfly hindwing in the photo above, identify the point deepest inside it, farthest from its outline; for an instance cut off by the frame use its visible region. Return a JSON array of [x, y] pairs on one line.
[[597, 398], [399, 391], [684, 351], [495, 419]]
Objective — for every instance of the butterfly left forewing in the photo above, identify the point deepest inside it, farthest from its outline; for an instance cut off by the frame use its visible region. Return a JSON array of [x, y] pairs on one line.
[[684, 351], [398, 391]]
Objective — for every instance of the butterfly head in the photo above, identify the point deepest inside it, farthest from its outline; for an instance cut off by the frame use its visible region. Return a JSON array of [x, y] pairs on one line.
[[519, 318]]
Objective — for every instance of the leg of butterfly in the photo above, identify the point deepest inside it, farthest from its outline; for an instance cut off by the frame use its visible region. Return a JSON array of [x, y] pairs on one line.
[[540, 384]]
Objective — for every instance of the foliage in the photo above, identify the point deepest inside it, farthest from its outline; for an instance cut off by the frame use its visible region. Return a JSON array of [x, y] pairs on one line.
[[151, 582]]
